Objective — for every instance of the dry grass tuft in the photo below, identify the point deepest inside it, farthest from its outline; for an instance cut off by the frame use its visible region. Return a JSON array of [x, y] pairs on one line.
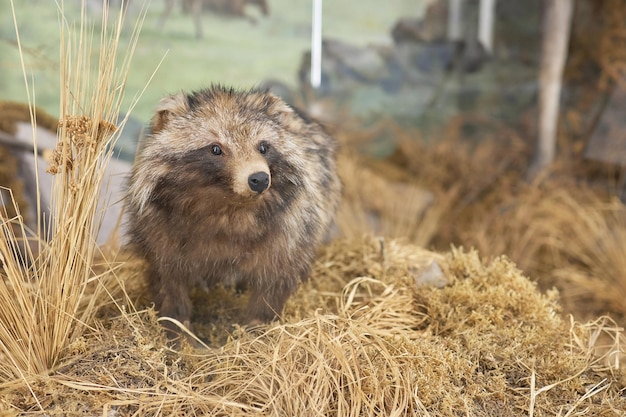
[[589, 241], [43, 288], [520, 225], [563, 230]]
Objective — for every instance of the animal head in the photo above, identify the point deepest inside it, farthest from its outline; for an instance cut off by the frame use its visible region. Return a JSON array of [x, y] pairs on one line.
[[239, 145]]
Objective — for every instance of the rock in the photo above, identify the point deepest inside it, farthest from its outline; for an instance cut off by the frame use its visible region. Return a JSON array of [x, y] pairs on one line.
[[424, 79], [363, 64], [113, 187], [427, 59], [431, 275], [407, 30], [345, 66], [431, 28]]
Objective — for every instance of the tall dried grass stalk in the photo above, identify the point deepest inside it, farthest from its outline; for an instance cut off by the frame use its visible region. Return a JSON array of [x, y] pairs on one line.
[[42, 290]]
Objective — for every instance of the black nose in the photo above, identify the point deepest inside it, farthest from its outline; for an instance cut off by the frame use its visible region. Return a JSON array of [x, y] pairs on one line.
[[259, 181]]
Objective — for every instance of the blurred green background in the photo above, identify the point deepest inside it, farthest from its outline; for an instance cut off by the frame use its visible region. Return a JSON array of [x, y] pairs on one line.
[[234, 51]]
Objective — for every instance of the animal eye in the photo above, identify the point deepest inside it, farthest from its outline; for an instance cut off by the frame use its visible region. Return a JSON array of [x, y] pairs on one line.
[[263, 147], [216, 150]]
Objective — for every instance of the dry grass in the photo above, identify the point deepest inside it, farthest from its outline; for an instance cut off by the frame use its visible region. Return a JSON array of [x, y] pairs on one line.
[[360, 338], [521, 225], [590, 245], [465, 177], [562, 230], [42, 286], [565, 235], [598, 37], [374, 204]]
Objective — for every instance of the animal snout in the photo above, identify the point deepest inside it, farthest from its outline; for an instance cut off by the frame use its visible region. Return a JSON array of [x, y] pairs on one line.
[[259, 181]]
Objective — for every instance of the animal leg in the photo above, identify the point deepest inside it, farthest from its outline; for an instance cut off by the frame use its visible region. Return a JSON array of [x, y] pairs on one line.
[[267, 302], [172, 300]]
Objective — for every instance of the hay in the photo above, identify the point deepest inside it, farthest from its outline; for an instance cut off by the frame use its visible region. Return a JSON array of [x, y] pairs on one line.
[[360, 338], [466, 178]]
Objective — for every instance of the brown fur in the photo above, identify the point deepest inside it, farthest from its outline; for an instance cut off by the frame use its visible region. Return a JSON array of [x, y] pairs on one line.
[[194, 217]]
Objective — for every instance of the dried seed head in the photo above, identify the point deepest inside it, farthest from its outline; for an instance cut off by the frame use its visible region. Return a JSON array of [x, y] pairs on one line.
[[80, 132]]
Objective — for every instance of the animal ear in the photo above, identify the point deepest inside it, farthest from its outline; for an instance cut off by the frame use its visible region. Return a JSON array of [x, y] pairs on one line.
[[167, 108], [289, 116], [278, 106]]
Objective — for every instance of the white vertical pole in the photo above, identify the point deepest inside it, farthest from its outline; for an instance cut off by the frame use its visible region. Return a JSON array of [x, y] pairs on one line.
[[556, 33], [455, 21], [485, 24], [316, 45]]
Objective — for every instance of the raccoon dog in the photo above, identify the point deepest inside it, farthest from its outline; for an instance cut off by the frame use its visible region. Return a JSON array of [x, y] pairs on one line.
[[231, 187]]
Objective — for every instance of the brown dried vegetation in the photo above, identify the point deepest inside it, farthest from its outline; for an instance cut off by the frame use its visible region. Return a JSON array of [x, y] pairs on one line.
[[360, 338]]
